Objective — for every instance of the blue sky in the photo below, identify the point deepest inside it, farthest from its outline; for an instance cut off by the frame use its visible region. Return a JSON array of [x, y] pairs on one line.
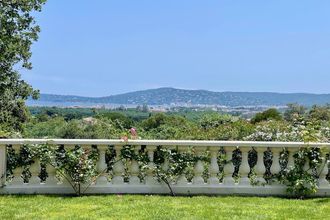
[[103, 47]]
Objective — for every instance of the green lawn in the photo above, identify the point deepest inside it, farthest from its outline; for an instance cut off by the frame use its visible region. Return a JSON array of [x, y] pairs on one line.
[[161, 207]]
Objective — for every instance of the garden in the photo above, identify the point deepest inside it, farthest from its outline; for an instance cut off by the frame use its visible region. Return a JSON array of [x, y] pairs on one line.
[[135, 163]]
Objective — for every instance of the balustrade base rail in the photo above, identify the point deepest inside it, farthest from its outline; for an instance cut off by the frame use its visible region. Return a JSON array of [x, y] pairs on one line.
[[161, 189], [198, 184]]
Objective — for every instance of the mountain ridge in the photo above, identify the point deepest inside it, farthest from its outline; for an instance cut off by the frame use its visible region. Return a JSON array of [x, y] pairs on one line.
[[169, 95]]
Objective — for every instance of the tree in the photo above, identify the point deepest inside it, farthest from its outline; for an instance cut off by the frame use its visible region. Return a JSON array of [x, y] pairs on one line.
[[269, 114], [118, 118], [154, 121], [18, 30], [294, 110], [143, 108], [214, 120], [320, 113]]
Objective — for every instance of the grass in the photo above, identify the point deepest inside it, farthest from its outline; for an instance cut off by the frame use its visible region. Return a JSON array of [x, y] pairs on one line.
[[161, 207]]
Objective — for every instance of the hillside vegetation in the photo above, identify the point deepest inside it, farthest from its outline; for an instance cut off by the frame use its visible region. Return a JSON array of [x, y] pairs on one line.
[[295, 124]]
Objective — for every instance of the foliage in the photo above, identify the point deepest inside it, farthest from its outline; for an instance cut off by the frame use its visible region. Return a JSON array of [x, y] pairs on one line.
[[214, 120], [4, 134], [302, 179], [143, 108], [161, 126], [77, 166], [232, 131], [268, 131], [50, 128], [320, 113], [173, 125], [46, 113], [17, 33], [120, 119], [294, 110], [154, 121], [270, 114], [57, 127]]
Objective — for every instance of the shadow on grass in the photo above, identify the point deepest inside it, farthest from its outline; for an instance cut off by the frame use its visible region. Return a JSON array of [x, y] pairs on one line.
[[322, 200], [72, 196]]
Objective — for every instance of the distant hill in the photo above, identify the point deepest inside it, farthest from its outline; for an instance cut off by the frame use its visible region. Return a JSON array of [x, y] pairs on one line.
[[166, 96]]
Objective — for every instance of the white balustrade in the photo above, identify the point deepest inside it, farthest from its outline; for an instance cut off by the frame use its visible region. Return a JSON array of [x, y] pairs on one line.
[[151, 184]]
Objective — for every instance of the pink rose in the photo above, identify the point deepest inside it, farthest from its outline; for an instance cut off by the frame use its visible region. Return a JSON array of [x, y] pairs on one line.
[[133, 133], [125, 138]]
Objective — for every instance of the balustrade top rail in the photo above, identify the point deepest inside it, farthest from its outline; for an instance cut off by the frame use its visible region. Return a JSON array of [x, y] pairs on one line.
[[194, 143]]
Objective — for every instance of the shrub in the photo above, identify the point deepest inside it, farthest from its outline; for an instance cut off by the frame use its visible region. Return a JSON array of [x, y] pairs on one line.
[[270, 114]]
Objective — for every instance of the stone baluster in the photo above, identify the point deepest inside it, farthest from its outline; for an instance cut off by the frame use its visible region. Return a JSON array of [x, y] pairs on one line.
[[134, 169], [102, 166], [17, 172], [65, 181], [150, 179], [244, 169], [86, 148], [118, 167], [182, 180], [68, 147], [35, 170], [3, 158], [229, 168], [198, 169], [51, 171], [291, 158], [260, 167], [307, 168], [214, 167], [276, 168], [324, 169], [166, 164]]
